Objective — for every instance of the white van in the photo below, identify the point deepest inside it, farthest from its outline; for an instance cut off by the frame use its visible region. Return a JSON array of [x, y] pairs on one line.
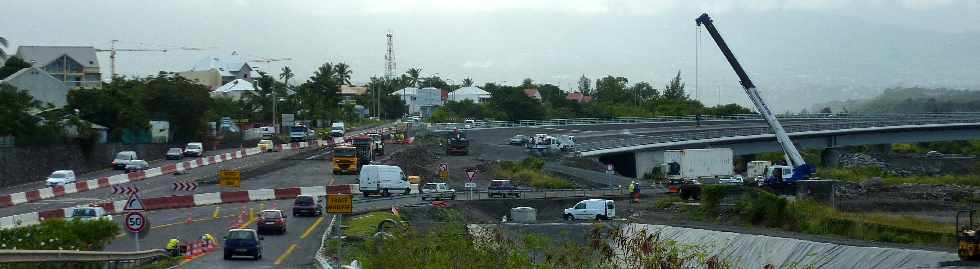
[[596, 209], [383, 180]]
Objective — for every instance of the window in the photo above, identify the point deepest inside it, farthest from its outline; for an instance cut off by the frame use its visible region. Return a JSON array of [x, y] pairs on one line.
[[610, 205], [271, 215], [241, 235], [580, 206], [83, 212]]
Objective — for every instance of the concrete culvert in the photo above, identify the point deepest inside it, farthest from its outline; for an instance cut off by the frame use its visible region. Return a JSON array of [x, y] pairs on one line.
[[524, 214]]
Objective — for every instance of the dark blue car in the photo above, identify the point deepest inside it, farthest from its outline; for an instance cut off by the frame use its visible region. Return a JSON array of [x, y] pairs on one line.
[[243, 242]]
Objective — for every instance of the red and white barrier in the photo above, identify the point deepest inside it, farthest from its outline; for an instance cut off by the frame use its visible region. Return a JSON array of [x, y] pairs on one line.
[[103, 182]]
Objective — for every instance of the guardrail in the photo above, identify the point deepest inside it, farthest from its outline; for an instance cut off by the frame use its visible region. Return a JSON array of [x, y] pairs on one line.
[[319, 259], [12, 256], [760, 130]]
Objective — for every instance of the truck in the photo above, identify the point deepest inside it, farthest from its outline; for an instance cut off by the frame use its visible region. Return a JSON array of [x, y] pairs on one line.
[[337, 129], [756, 170], [566, 142], [346, 160], [365, 148], [543, 144], [299, 133], [502, 188], [379, 144], [437, 191], [456, 143], [686, 170], [383, 180]]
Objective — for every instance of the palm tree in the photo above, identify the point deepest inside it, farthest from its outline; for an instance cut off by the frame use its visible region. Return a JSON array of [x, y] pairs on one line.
[[413, 76], [3, 43], [286, 74], [467, 82], [343, 73]]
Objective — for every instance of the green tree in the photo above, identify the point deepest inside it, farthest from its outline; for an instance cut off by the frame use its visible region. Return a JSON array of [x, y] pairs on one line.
[[15, 111], [467, 82], [826, 110], [527, 83], [260, 101], [319, 94], [180, 101], [435, 82], [612, 89], [643, 92], [343, 73], [12, 65], [585, 85], [729, 109], [675, 89], [117, 105], [3, 45], [514, 105], [413, 76]]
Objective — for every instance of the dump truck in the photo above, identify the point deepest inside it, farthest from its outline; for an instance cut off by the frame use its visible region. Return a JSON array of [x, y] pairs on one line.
[[686, 170], [456, 143], [365, 148], [346, 160], [379, 144]]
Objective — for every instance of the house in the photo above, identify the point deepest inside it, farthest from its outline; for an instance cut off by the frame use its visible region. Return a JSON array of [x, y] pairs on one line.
[[40, 85], [234, 89], [422, 101], [474, 94], [75, 66], [578, 97], [349, 90], [216, 71], [533, 93]]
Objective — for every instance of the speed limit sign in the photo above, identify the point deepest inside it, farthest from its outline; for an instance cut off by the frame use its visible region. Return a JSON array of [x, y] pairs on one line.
[[135, 222]]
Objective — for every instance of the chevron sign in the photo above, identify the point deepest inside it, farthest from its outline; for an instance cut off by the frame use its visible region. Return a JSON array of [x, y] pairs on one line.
[[185, 186], [125, 190]]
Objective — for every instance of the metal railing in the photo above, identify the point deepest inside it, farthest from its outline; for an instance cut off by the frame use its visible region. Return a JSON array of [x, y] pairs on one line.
[[692, 135], [13, 256]]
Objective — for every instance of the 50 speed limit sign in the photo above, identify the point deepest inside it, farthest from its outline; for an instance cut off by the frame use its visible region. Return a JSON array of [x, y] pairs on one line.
[[135, 222]]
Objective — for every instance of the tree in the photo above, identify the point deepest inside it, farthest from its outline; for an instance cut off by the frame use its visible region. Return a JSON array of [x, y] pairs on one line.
[[260, 101], [3, 45], [612, 89], [675, 89], [514, 105], [413, 76], [319, 94], [15, 111], [433, 81], [343, 73], [12, 65], [585, 85], [180, 101], [286, 74], [643, 92], [467, 82], [527, 83], [117, 105], [826, 110]]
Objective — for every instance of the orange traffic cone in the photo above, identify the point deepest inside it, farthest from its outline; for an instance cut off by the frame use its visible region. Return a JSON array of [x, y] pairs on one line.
[[190, 251], [210, 246], [189, 219], [200, 248]]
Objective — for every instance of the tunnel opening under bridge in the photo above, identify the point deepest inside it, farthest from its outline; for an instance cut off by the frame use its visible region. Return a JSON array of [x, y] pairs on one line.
[[623, 163]]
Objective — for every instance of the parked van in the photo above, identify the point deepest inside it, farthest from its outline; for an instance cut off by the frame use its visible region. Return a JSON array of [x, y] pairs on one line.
[[383, 180], [596, 209], [122, 159]]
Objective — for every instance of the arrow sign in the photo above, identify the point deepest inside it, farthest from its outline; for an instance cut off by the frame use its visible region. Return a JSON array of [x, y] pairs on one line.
[[185, 186], [125, 190], [470, 174], [134, 203]]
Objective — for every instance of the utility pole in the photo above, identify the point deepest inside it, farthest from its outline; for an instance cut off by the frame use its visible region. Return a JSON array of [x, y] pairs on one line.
[[389, 70]]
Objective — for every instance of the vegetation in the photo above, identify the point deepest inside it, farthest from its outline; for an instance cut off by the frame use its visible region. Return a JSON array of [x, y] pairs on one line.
[[12, 65], [967, 147], [60, 234], [528, 172], [364, 226], [711, 196], [763, 208], [667, 201], [913, 100], [862, 174]]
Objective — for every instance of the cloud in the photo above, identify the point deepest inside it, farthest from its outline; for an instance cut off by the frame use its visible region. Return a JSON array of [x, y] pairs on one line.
[[478, 64]]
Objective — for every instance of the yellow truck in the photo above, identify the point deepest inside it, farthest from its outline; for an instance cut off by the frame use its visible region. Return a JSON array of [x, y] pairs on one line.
[[345, 160]]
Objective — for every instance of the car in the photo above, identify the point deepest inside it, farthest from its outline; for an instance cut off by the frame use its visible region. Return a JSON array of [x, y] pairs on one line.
[[60, 178], [137, 165], [89, 213], [175, 153], [502, 188], [122, 159], [306, 205], [469, 124], [597, 209], [194, 149], [437, 191], [266, 145], [933, 153], [519, 140], [271, 219], [243, 242]]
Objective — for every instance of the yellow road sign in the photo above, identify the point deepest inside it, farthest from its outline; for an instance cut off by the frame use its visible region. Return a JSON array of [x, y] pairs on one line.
[[230, 178], [340, 204], [444, 175]]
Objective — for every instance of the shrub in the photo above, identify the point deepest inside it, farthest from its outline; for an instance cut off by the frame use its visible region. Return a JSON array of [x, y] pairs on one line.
[[711, 196], [666, 202], [761, 207], [60, 234]]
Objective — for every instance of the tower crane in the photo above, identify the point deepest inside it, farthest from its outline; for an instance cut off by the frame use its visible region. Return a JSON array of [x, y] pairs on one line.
[[776, 176], [112, 53]]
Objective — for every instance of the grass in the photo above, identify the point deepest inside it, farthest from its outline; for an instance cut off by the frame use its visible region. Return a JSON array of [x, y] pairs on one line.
[[861, 174], [366, 225], [666, 202], [163, 263], [528, 172]]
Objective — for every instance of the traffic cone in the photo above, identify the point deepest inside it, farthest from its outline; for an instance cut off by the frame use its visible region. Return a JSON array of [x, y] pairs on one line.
[[216, 214], [211, 246], [197, 249], [189, 219], [189, 254]]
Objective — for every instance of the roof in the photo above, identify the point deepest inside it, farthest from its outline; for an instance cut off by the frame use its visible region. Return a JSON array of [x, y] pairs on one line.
[[237, 85], [471, 90], [24, 71], [44, 55], [578, 97], [407, 90], [533, 93], [224, 64]]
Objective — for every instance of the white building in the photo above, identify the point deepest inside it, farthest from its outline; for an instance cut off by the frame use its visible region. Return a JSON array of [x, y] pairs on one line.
[[474, 94], [234, 89], [422, 101]]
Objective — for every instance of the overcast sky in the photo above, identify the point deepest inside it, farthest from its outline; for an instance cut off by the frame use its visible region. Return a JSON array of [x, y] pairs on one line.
[[797, 51]]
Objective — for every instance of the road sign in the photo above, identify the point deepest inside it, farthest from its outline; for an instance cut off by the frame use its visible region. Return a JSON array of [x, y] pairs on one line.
[[469, 185], [444, 171], [443, 167], [125, 190], [230, 178], [609, 170], [185, 186], [470, 174], [135, 222], [134, 203], [340, 204]]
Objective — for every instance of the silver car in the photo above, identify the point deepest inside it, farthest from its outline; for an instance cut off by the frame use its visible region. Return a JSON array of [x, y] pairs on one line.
[[137, 165]]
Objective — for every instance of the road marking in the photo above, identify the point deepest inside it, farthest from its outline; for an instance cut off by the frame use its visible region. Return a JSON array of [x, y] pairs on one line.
[[282, 257], [311, 228]]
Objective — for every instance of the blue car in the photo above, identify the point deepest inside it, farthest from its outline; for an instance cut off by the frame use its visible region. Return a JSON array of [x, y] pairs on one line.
[[243, 242]]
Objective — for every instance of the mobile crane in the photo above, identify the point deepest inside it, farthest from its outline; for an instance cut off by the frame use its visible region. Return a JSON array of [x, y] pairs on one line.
[[776, 176]]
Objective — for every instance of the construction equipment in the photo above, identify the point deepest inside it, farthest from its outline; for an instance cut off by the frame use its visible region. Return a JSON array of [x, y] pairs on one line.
[[112, 53], [456, 143], [967, 236], [776, 176], [365, 149], [346, 160]]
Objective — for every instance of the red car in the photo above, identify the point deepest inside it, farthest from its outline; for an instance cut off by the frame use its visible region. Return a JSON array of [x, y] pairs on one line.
[[271, 220]]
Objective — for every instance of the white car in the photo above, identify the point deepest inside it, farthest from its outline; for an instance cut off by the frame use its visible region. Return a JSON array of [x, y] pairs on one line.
[[596, 209], [137, 165], [60, 178], [122, 159], [437, 191], [194, 149], [87, 213]]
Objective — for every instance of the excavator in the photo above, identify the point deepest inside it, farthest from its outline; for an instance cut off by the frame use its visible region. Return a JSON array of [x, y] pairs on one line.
[[780, 178]]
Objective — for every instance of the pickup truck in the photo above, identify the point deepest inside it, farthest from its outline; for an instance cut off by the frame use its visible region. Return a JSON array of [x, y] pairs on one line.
[[502, 188], [437, 191]]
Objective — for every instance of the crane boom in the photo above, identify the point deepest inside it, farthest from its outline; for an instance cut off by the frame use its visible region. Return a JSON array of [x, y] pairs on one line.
[[801, 170]]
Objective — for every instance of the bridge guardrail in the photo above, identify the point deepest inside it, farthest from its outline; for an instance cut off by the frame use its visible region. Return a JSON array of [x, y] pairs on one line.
[[12, 256]]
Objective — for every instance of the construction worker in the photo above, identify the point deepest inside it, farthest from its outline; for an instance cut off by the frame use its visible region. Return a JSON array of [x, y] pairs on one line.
[[208, 239], [636, 193], [632, 187], [173, 247]]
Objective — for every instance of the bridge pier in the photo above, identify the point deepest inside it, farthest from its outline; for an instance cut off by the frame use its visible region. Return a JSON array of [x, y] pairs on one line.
[[646, 161]]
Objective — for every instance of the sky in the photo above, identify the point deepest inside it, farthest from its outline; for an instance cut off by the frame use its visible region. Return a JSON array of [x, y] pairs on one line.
[[799, 52]]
